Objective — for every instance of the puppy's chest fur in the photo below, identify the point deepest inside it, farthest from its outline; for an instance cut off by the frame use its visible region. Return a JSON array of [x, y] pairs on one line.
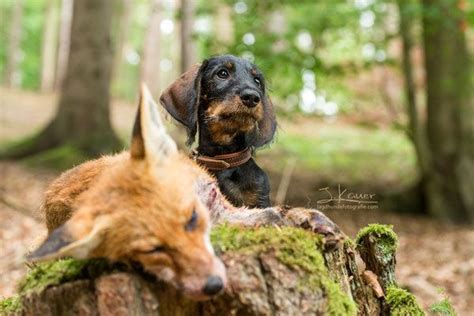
[[246, 185]]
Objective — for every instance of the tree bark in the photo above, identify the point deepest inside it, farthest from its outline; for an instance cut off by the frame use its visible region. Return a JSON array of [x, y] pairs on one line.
[[64, 41], [12, 67], [124, 25], [49, 49], [406, 11], [259, 284], [450, 127], [260, 281], [188, 47], [83, 117]]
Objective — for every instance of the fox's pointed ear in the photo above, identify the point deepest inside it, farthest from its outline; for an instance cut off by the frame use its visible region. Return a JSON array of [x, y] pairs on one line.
[[181, 98], [150, 140], [61, 243]]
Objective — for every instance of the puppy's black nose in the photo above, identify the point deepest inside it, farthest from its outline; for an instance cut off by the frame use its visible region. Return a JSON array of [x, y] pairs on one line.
[[250, 98], [213, 285]]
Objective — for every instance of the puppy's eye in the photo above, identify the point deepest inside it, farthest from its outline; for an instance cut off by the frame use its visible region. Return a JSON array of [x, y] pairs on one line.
[[223, 74], [257, 81], [192, 222]]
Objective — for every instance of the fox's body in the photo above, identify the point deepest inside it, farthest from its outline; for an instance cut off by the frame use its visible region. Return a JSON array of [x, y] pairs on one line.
[[151, 205], [62, 194], [139, 206]]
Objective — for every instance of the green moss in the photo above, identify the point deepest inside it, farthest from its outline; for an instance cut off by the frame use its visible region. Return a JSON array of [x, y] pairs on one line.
[[402, 302], [349, 243], [386, 237], [17, 145], [293, 247], [51, 273], [10, 305], [443, 307], [59, 158]]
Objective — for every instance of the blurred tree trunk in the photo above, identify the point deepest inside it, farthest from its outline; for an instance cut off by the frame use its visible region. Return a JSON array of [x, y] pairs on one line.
[[150, 65], [188, 47], [12, 71], [49, 46], [450, 127], [64, 41], [406, 16], [223, 24], [123, 26], [83, 116]]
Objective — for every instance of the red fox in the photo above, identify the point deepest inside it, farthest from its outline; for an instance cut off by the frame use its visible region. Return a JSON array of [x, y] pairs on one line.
[[152, 205]]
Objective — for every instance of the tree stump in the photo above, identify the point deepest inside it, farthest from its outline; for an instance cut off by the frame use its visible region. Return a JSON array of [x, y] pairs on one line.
[[271, 271]]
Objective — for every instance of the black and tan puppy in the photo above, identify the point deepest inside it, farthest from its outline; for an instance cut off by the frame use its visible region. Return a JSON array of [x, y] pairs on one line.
[[224, 100]]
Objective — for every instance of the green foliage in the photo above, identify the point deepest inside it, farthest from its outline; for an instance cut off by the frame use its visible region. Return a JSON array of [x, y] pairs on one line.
[[334, 41], [33, 16], [10, 305], [294, 247], [386, 237], [59, 158], [32, 37], [127, 77], [402, 302], [5, 14], [443, 307], [346, 154]]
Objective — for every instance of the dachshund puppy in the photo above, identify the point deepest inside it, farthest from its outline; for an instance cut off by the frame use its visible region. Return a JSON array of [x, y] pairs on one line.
[[224, 101]]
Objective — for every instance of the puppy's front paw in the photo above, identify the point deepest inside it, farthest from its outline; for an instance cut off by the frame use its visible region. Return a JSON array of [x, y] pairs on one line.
[[317, 222]]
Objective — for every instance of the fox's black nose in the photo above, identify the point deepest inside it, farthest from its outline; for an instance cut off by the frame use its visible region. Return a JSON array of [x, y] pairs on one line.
[[250, 98], [213, 285]]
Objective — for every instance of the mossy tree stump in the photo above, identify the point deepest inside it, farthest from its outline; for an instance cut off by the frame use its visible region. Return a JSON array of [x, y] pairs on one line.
[[271, 271]]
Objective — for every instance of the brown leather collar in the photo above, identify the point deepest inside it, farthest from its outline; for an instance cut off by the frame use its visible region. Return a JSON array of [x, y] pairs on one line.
[[222, 162]]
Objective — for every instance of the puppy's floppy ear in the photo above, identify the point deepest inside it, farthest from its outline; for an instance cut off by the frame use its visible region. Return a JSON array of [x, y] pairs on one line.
[[181, 99], [62, 242], [267, 125]]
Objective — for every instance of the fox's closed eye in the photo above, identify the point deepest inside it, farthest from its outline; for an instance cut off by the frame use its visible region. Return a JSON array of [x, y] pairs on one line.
[[156, 249], [192, 222]]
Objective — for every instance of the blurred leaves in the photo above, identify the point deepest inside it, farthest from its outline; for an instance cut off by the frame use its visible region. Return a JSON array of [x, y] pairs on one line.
[[286, 38]]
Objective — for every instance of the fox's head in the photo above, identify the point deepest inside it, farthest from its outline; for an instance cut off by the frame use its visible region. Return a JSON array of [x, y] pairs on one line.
[[145, 208]]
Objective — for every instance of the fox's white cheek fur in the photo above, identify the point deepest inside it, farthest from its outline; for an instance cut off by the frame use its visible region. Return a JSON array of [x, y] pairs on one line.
[[165, 274], [207, 240]]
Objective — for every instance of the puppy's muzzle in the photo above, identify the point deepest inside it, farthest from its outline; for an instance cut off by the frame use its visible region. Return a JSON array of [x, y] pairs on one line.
[[249, 98]]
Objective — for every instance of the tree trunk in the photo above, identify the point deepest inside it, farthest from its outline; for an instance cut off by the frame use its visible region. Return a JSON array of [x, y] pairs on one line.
[[450, 126], [188, 47], [64, 41], [406, 11], [123, 25], [268, 274], [83, 117], [50, 41], [150, 66], [12, 67]]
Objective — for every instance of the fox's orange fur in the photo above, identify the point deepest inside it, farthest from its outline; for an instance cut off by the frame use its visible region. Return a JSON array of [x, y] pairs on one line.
[[152, 205], [136, 206]]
